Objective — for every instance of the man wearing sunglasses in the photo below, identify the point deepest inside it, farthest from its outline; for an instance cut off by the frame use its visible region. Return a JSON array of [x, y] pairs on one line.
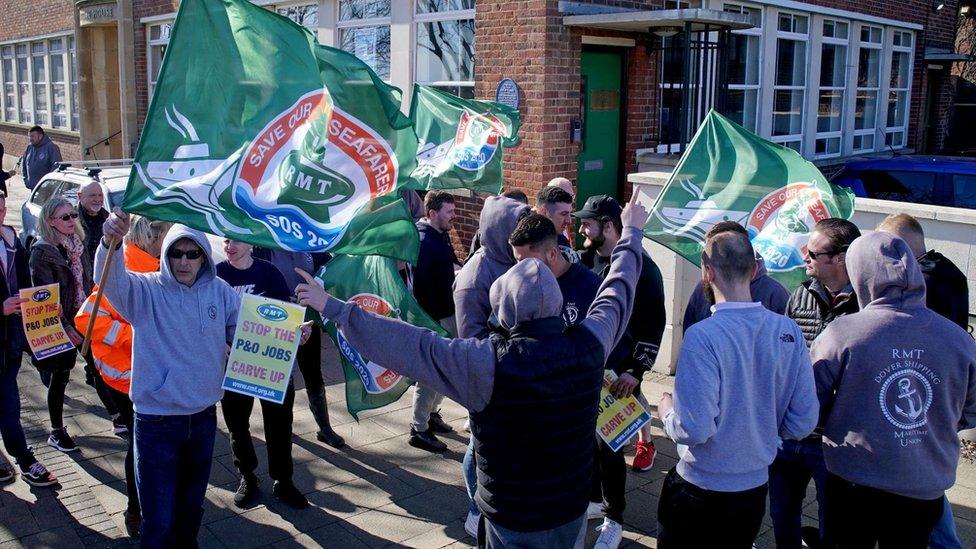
[[183, 318], [827, 295]]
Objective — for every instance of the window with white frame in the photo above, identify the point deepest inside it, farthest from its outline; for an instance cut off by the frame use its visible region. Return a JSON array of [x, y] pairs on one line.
[[36, 86], [73, 89], [868, 87], [306, 14], [444, 54], [789, 87], [896, 123], [364, 30], [744, 68], [158, 38], [833, 83]]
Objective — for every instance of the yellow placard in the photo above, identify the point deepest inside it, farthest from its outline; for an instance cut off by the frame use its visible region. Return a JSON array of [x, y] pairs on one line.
[[41, 314], [618, 419]]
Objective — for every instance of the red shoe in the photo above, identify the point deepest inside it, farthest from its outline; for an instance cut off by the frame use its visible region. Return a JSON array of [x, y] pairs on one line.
[[644, 459]]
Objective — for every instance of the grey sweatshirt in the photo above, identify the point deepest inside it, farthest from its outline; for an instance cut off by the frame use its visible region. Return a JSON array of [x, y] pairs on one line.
[[498, 219], [896, 380], [744, 382], [464, 369], [179, 333]]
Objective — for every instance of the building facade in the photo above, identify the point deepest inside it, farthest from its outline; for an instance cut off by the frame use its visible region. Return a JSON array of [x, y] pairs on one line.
[[603, 84]]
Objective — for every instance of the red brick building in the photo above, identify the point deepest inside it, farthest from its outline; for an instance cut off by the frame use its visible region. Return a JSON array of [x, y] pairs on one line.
[[601, 83]]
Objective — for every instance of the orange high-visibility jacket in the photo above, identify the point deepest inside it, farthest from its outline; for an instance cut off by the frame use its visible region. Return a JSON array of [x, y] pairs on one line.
[[111, 343]]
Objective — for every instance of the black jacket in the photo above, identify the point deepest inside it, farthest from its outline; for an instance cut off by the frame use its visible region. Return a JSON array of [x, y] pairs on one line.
[[93, 229], [637, 350], [946, 288], [810, 306], [433, 277], [12, 328]]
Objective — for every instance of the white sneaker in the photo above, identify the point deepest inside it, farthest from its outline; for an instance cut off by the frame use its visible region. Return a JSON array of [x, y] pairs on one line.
[[471, 524], [594, 510], [610, 534]]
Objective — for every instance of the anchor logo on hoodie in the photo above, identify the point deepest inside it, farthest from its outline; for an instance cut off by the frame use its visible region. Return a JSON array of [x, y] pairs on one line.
[[905, 397]]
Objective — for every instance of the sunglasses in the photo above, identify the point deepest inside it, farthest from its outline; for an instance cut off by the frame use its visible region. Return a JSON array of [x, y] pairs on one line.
[[814, 255], [67, 217], [173, 253]]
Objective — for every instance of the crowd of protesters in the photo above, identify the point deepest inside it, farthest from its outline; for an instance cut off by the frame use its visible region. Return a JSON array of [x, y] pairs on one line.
[[858, 380]]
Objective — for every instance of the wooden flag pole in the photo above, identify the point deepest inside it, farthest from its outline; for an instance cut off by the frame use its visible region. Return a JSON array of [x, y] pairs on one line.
[[112, 246]]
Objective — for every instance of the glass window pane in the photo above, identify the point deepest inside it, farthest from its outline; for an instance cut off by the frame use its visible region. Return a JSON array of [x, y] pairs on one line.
[[829, 110], [788, 112], [57, 67], [865, 109], [833, 65], [964, 187], [156, 54], [56, 46], [827, 146], [306, 16], [8, 70], [800, 24], [868, 68], [10, 109], [464, 92], [60, 111], [743, 59], [370, 44], [21, 50], [897, 109], [445, 51], [40, 72], [363, 9], [864, 142], [742, 108], [435, 6], [899, 69], [7, 51], [790, 62], [785, 22], [38, 47]]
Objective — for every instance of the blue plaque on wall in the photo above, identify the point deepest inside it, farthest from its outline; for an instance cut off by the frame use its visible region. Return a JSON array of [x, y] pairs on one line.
[[507, 93]]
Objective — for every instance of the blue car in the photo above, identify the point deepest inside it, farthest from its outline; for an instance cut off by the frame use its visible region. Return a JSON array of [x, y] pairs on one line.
[[940, 180]]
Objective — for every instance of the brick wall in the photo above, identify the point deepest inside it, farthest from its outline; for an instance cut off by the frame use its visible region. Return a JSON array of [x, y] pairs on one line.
[[141, 9]]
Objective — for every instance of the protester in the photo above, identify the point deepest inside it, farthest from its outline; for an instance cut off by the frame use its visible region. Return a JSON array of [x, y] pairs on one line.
[[40, 158], [896, 382], [15, 275], [946, 287], [515, 195], [472, 306], [763, 288], [744, 381], [183, 320], [111, 344], [600, 223], [247, 275], [309, 356], [557, 205], [827, 295], [432, 280], [59, 257], [564, 184], [533, 473], [4, 175]]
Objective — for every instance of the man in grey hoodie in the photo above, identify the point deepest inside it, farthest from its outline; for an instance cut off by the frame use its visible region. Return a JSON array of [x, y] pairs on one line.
[[183, 319], [40, 158], [532, 393], [896, 382]]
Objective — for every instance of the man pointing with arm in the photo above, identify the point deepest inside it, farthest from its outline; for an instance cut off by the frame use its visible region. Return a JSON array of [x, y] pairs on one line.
[[532, 392]]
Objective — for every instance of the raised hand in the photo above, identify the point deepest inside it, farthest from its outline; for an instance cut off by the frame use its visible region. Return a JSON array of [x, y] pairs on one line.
[[634, 214], [116, 226], [309, 293]]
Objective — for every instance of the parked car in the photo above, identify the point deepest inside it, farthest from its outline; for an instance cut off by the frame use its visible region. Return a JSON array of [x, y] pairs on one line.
[[940, 180]]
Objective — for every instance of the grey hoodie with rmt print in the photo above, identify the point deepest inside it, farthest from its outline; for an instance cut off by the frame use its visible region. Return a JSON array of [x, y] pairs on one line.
[[896, 381]]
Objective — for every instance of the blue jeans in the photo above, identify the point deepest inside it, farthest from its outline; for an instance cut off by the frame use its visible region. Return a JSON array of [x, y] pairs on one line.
[[470, 475], [570, 535], [11, 431], [173, 458], [796, 463], [944, 534]]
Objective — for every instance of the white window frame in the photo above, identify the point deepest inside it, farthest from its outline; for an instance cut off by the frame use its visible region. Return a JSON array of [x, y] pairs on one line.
[[285, 5], [907, 90], [150, 44], [857, 45], [45, 81], [66, 53], [805, 103], [369, 22], [417, 19], [3, 84], [757, 32], [815, 69]]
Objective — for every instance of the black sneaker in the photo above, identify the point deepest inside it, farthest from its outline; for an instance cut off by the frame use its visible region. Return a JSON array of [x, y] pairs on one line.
[[133, 521], [437, 423], [331, 438], [61, 440], [119, 428], [37, 475], [6, 473], [425, 440], [246, 492], [289, 495]]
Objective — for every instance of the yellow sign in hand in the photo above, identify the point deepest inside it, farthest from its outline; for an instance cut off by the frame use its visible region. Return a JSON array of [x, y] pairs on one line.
[[264, 348], [42, 321], [618, 419]]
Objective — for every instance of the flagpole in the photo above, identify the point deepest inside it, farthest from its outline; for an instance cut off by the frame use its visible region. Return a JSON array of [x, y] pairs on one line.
[[113, 244]]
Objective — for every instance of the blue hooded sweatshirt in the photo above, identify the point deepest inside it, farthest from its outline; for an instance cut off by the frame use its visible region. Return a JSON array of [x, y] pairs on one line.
[[180, 332]]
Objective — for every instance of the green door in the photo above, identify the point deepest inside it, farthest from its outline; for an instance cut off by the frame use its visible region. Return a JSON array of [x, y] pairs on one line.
[[599, 157]]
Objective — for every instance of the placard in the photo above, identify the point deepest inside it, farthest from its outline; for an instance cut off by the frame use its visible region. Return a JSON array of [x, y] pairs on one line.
[[618, 419], [263, 351], [41, 315]]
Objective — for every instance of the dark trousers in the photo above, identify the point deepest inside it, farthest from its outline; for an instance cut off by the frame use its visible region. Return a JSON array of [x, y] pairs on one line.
[[10, 428], [56, 382], [859, 516], [94, 378], [277, 432], [309, 361], [124, 407], [609, 481], [173, 458], [693, 517], [796, 463]]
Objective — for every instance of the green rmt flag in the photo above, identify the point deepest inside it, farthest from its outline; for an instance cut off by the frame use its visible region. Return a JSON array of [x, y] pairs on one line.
[[461, 140], [373, 283], [730, 173], [258, 133]]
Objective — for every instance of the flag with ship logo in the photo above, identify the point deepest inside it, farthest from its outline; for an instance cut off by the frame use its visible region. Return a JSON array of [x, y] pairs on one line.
[[373, 283], [461, 140], [728, 173], [258, 133]]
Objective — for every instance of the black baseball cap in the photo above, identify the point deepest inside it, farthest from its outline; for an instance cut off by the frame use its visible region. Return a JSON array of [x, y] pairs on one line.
[[599, 205]]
